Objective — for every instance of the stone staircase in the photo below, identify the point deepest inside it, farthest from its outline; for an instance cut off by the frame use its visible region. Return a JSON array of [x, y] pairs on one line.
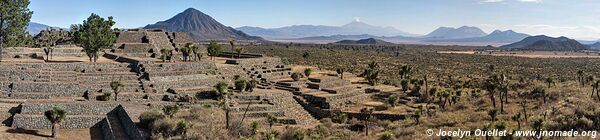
[[281, 105], [327, 92]]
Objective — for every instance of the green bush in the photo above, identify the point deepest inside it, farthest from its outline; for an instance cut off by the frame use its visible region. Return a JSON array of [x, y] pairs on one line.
[[241, 85], [296, 76], [170, 110], [387, 135], [307, 72], [251, 85]]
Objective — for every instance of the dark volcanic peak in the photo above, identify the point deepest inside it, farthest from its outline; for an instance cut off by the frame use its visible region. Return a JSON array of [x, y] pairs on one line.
[[546, 43], [371, 41], [454, 33], [200, 26]]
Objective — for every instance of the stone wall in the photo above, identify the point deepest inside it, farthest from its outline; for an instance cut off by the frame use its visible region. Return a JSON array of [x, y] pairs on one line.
[[258, 62], [137, 48], [130, 37], [159, 40], [71, 121], [82, 108], [181, 37]]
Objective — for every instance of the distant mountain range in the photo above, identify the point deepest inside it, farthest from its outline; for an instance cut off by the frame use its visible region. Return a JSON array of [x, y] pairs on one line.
[[455, 33], [497, 36], [443, 35], [371, 41], [545, 43], [200, 26], [302, 31], [35, 28], [595, 46]]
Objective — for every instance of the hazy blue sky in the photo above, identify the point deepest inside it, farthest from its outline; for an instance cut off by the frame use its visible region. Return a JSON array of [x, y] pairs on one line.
[[573, 18]]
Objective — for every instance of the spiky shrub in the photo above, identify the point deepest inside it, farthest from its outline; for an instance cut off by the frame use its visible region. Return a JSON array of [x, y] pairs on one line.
[[307, 72], [271, 120], [251, 85], [149, 117], [296, 76], [239, 51], [241, 85], [392, 100], [55, 115], [299, 134], [340, 71], [221, 88], [170, 110], [255, 127], [181, 128], [387, 135]]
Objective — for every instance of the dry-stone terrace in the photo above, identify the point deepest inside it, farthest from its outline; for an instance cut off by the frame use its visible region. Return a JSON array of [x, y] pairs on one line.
[[31, 83]]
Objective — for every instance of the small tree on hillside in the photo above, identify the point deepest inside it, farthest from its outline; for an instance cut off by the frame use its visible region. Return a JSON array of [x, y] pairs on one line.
[[166, 54], [417, 116], [580, 76], [241, 85], [392, 100], [14, 17], [493, 113], [371, 74], [56, 115], [232, 43], [296, 76], [239, 51], [116, 87], [223, 90], [170, 110], [517, 118], [405, 71], [550, 81], [340, 71], [271, 120], [367, 112], [251, 85], [404, 83], [214, 49], [186, 52], [95, 34], [307, 72]]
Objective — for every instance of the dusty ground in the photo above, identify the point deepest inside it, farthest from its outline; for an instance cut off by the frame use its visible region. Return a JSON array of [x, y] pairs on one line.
[[9, 133]]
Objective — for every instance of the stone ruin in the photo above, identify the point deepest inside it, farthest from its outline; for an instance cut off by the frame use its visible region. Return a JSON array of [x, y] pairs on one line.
[[37, 86], [149, 42]]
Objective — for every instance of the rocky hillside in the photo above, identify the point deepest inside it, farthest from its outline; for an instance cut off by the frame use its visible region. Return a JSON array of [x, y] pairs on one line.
[[200, 26], [545, 43], [454, 33], [371, 41]]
